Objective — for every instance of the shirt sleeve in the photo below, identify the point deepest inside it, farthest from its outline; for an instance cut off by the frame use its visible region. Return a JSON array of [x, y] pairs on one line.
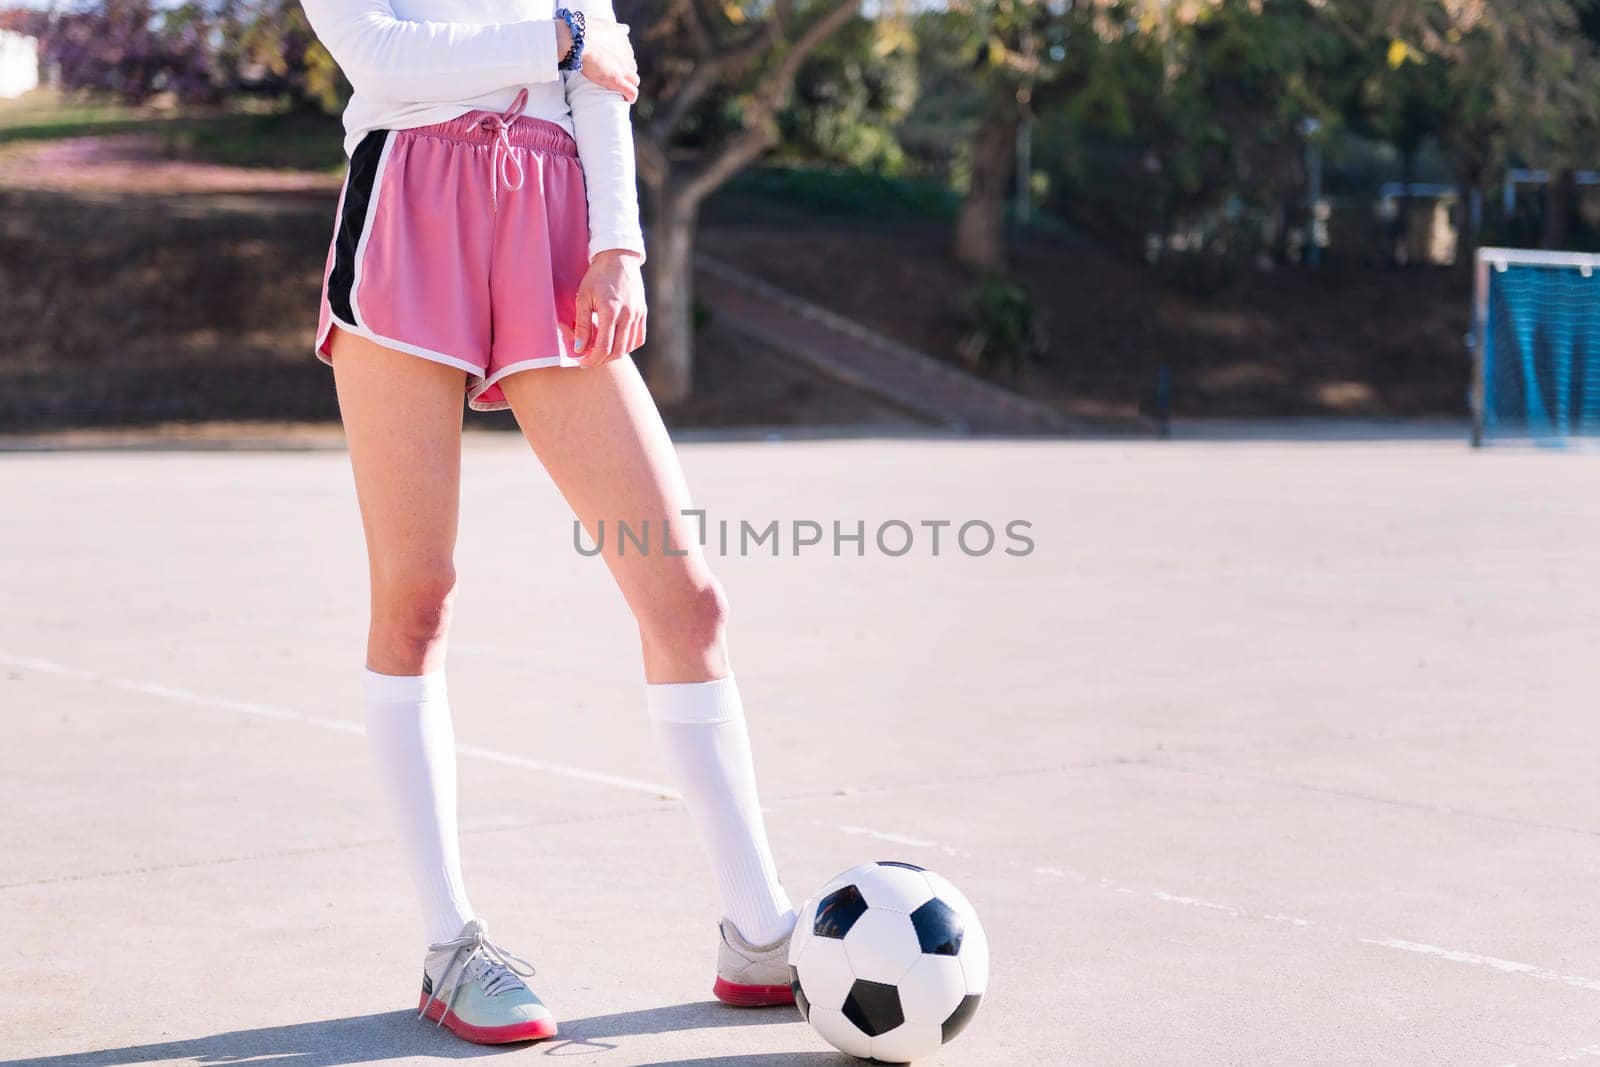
[[389, 58], [605, 145]]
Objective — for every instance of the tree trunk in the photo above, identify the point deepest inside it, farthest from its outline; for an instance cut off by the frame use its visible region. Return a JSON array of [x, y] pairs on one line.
[[1469, 231], [1408, 178], [981, 229], [1558, 197], [669, 369]]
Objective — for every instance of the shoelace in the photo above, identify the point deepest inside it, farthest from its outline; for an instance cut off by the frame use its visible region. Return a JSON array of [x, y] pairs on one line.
[[501, 967], [502, 157]]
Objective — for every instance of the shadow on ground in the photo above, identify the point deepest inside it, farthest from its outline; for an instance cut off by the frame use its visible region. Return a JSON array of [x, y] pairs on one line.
[[378, 1038]]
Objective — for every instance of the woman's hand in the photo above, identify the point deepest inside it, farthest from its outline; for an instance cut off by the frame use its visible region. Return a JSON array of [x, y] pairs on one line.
[[607, 55], [611, 311]]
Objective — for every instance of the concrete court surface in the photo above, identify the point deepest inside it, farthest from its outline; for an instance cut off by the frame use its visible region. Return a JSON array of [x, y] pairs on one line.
[[1269, 753]]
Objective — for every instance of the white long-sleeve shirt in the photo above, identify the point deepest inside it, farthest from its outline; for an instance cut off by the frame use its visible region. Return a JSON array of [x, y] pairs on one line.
[[418, 62]]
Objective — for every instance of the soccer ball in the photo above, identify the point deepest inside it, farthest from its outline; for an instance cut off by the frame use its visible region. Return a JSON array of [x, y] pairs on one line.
[[888, 961]]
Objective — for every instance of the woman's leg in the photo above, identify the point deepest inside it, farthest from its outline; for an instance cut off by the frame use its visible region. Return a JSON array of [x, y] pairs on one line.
[[598, 434], [402, 421]]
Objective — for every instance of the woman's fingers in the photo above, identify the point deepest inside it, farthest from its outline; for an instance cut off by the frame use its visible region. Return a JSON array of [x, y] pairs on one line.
[[583, 328], [625, 84], [621, 327], [627, 323], [626, 327], [605, 333], [637, 341], [613, 292]]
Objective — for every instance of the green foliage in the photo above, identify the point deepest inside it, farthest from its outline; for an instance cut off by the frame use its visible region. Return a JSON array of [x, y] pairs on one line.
[[1004, 329], [714, 74], [1253, 72], [1182, 126], [1178, 121], [849, 193], [194, 51], [950, 98], [272, 139], [272, 50], [850, 95], [280, 141]]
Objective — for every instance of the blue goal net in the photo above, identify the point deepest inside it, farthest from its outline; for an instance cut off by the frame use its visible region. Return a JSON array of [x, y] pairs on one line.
[[1537, 341]]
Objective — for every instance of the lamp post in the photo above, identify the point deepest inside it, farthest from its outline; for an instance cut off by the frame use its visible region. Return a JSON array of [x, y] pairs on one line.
[[1309, 129]]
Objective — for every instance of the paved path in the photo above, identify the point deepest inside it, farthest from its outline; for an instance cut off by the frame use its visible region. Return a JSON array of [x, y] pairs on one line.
[[1270, 753], [879, 365]]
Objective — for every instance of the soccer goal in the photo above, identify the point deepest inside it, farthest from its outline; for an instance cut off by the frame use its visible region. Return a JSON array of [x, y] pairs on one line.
[[1536, 347]]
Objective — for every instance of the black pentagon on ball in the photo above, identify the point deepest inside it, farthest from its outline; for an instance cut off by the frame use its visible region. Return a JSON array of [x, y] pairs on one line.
[[838, 911], [900, 863], [800, 1000], [874, 1007], [960, 1017], [939, 928]]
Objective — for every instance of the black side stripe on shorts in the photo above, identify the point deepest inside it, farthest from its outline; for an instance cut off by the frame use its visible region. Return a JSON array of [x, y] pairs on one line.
[[358, 191]]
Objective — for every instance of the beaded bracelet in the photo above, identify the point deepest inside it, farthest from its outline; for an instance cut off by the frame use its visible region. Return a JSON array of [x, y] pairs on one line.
[[573, 60]]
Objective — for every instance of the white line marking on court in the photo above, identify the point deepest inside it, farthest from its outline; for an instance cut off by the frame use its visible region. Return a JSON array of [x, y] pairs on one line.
[[1196, 902], [1171, 898], [1491, 962], [563, 771], [1588, 1052], [893, 839], [665, 792], [28, 664], [343, 726], [183, 696]]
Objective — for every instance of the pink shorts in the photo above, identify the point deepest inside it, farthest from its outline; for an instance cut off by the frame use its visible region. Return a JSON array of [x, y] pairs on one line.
[[463, 243]]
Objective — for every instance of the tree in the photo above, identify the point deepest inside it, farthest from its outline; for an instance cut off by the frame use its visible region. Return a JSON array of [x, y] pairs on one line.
[[270, 50], [130, 50], [1011, 61], [717, 77], [1520, 77], [851, 96], [200, 51]]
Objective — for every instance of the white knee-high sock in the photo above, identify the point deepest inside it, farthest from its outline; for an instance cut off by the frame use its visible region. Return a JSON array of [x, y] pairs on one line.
[[701, 729], [414, 749]]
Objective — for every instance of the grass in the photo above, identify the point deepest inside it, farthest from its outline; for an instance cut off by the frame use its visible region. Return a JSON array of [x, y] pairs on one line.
[[778, 193], [41, 116], [254, 136], [239, 137], [283, 141], [850, 193]]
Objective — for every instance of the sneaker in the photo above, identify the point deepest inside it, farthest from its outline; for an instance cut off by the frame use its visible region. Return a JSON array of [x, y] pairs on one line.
[[475, 989], [752, 976]]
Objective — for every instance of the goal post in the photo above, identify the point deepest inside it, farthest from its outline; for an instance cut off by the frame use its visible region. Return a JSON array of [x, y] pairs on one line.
[[1535, 347]]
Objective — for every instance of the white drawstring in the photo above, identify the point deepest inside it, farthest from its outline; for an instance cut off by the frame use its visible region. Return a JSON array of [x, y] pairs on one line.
[[502, 158]]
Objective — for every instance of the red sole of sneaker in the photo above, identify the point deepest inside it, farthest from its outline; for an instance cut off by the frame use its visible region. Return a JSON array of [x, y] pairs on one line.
[[488, 1035], [752, 996]]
